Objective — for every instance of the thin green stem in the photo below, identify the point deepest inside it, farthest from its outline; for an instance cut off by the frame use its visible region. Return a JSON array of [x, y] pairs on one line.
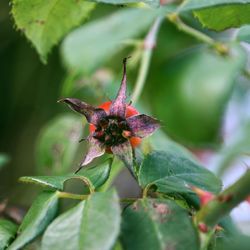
[[66, 195], [206, 239], [145, 191], [128, 200], [149, 45], [221, 205], [175, 19]]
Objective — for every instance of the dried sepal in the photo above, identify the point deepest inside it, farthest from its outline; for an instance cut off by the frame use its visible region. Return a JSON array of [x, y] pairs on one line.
[[142, 125], [95, 150], [118, 106], [92, 114], [124, 152]]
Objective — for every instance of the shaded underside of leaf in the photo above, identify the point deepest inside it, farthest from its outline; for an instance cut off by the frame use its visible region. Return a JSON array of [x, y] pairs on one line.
[[7, 232], [39, 216], [95, 175], [88, 47], [158, 225], [45, 22], [93, 224], [154, 3], [243, 34]]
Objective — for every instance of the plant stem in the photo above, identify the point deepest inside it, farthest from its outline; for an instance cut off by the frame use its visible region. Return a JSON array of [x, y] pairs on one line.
[[148, 45], [175, 19], [128, 200], [72, 196], [221, 205], [66, 195]]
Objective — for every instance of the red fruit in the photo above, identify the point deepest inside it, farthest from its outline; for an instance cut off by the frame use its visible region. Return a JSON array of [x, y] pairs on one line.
[[130, 111]]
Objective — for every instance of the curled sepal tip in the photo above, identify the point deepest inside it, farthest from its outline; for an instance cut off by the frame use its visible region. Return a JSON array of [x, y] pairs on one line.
[[124, 152], [118, 106], [143, 125], [95, 150], [92, 114]]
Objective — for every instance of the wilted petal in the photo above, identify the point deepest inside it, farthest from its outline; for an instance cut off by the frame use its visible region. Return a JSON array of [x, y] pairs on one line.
[[118, 106], [124, 152], [142, 125], [95, 150], [92, 114]]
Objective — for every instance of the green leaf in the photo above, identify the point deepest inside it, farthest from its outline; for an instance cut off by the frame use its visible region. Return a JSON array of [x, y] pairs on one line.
[[244, 34], [4, 159], [159, 225], [233, 16], [7, 233], [45, 22], [93, 224], [39, 216], [175, 173], [57, 144], [154, 3], [235, 12], [96, 175], [90, 46], [202, 4]]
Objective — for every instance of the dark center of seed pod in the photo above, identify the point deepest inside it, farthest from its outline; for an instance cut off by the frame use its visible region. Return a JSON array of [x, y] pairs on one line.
[[112, 131]]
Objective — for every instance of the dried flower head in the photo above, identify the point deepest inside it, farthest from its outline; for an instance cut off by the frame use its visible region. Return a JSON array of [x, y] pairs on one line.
[[115, 127]]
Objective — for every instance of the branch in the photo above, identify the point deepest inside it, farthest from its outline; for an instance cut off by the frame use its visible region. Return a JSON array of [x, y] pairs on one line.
[[220, 47], [148, 45], [222, 204]]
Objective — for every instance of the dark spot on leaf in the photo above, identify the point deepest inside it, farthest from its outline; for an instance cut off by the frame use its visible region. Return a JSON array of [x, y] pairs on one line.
[[73, 134], [57, 150], [170, 246], [135, 206], [161, 208], [41, 22]]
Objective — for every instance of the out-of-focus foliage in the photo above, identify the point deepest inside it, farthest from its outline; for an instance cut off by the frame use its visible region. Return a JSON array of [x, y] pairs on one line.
[[108, 38], [244, 34], [191, 74], [57, 144], [46, 28], [179, 86], [4, 159]]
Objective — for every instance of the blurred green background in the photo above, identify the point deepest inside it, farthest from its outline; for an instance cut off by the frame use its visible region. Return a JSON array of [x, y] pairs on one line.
[[188, 88]]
